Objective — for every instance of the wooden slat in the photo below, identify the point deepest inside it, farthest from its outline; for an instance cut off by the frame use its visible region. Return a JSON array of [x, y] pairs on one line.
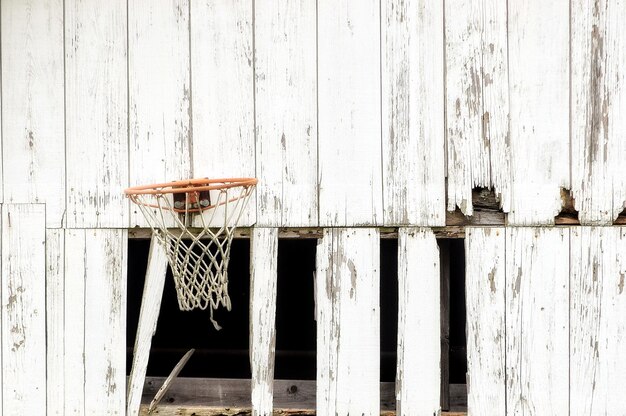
[[32, 105], [412, 112], [159, 94], [55, 320], [23, 309], [348, 322], [418, 377], [477, 101], [263, 276], [598, 54], [537, 320], [444, 319], [146, 327], [222, 91], [484, 294], [598, 320], [96, 113], [538, 46], [349, 120], [286, 112]]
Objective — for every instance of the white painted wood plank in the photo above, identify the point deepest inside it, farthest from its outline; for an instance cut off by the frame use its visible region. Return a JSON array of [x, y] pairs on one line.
[[55, 320], [146, 327], [537, 320], [263, 276], [159, 94], [105, 322], [32, 105], [477, 101], [484, 294], [418, 378], [539, 102], [413, 112], [96, 113], [598, 320], [348, 322], [286, 112], [349, 119], [24, 309], [222, 92], [598, 104]]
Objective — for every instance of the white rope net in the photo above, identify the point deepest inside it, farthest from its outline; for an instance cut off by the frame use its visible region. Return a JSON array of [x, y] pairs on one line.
[[196, 229]]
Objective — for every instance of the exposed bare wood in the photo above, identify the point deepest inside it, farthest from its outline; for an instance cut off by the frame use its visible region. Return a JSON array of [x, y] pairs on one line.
[[221, 411]]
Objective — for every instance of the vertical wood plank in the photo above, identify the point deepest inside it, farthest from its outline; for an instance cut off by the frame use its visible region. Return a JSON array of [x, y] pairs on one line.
[[23, 309], [418, 377], [348, 322], [55, 325], [444, 319], [32, 105], [159, 94], [413, 112], [485, 291], [598, 320], [537, 320], [105, 322], [146, 327], [477, 101], [286, 112], [263, 276], [539, 102], [96, 113], [598, 103], [222, 92], [349, 119]]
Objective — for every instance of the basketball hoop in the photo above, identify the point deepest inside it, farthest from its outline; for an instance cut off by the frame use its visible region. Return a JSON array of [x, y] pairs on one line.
[[194, 220]]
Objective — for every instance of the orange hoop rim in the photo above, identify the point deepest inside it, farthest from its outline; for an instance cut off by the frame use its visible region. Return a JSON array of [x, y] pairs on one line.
[[190, 185]]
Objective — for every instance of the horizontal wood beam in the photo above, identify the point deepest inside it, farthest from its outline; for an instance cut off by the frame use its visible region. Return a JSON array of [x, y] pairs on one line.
[[216, 411]]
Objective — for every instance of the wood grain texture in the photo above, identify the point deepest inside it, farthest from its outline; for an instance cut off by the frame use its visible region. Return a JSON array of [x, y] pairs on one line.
[[597, 320], [485, 302], [539, 100], [349, 119], [146, 327], [32, 105], [348, 322], [55, 321], [96, 113], [286, 112], [537, 320], [418, 377], [23, 309], [159, 94], [412, 112], [263, 276], [598, 53], [222, 91], [477, 101]]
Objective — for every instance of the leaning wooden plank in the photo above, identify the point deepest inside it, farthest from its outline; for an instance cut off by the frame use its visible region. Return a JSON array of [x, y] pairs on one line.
[[349, 120], [148, 316], [537, 320], [286, 112], [55, 324], [598, 102], [105, 321], [484, 294], [598, 320], [170, 380], [348, 321], [418, 377], [222, 92], [539, 102], [263, 275], [24, 309], [96, 113], [159, 94], [412, 112], [32, 105]]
